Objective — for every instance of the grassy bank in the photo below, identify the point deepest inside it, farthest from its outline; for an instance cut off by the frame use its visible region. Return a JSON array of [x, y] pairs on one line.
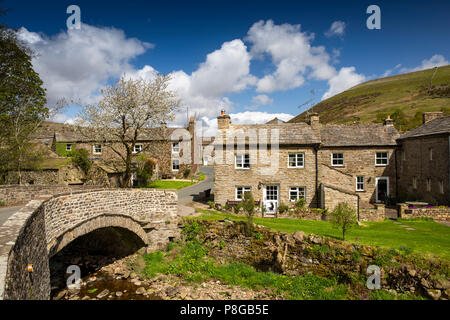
[[190, 261], [428, 237], [169, 184]]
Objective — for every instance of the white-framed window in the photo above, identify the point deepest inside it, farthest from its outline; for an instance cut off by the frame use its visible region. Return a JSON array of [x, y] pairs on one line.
[[97, 149], [381, 159], [296, 160], [441, 187], [242, 161], [68, 147], [175, 147], [175, 165], [431, 153], [428, 184], [337, 159], [414, 182], [137, 148], [360, 183], [240, 192], [295, 193]]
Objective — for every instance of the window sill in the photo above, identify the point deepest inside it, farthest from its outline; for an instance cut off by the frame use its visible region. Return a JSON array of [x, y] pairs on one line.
[[338, 165], [381, 165], [242, 168], [296, 167]]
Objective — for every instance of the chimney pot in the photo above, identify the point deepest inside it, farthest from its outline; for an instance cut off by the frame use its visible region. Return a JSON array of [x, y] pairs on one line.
[[388, 121]]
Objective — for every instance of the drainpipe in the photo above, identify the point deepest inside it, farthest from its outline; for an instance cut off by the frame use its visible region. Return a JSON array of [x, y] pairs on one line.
[[357, 206], [316, 150]]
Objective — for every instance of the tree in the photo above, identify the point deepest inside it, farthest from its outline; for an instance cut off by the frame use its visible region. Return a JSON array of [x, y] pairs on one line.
[[344, 217], [125, 111], [22, 103], [248, 206]]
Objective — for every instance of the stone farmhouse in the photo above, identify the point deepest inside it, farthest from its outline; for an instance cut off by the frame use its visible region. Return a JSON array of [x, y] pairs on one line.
[[171, 150], [424, 160], [326, 164]]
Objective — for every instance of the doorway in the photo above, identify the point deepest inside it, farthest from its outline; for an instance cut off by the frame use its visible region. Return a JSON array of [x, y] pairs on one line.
[[270, 198], [382, 189]]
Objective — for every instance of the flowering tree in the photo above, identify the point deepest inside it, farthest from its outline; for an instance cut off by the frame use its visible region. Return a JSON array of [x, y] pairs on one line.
[[125, 111]]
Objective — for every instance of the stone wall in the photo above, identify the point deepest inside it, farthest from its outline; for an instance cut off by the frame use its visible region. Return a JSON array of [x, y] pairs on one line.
[[21, 194], [331, 196], [26, 228], [373, 214], [40, 229], [441, 213]]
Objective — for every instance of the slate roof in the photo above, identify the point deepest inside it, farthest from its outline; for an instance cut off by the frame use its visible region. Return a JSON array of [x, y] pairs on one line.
[[70, 133], [328, 135], [334, 135], [436, 126], [289, 133]]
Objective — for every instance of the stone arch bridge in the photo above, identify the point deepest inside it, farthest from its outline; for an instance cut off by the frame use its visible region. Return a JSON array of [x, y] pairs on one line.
[[41, 229]]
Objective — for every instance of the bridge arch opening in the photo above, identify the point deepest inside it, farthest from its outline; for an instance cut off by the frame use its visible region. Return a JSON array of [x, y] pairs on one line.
[[92, 251]]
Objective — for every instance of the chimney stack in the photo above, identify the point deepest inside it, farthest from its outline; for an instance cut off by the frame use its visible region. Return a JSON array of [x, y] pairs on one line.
[[314, 120], [223, 121], [388, 121], [428, 116], [163, 125]]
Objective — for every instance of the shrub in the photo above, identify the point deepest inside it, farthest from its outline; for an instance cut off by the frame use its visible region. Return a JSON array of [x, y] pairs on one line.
[[211, 204], [145, 168], [283, 208], [248, 206], [186, 172], [2, 203], [344, 217], [80, 158], [192, 230]]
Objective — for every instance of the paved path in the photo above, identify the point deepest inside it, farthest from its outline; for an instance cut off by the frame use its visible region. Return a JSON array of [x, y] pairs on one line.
[[187, 195], [5, 213]]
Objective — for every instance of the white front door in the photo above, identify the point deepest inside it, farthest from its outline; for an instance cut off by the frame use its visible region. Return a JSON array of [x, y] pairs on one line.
[[382, 188], [270, 199]]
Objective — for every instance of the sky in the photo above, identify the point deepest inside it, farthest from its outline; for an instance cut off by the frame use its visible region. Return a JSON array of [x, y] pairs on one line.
[[255, 59]]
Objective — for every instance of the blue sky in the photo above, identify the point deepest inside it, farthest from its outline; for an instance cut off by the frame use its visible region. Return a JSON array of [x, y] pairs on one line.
[[256, 59]]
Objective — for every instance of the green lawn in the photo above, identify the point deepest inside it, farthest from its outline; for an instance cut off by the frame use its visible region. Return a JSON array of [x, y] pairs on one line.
[[428, 237], [169, 184]]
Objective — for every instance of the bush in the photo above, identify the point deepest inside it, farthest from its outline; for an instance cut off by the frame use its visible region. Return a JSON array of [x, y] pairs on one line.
[[145, 168], [344, 217], [211, 204], [283, 208], [248, 205], [2, 203], [192, 230], [186, 172], [80, 158]]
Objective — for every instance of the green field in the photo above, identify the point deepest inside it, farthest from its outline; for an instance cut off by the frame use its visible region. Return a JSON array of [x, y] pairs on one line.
[[405, 97], [429, 237], [169, 184]]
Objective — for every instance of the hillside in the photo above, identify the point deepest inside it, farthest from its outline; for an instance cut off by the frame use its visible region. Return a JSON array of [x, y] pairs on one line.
[[405, 97]]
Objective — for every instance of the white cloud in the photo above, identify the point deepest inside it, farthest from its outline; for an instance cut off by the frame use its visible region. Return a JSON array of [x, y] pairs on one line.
[[262, 99], [292, 54], [337, 28], [247, 117], [75, 64], [388, 72], [344, 79], [436, 60]]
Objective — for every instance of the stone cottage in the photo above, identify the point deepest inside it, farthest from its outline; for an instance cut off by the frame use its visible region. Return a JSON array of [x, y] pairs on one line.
[[170, 147], [355, 164], [424, 160]]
